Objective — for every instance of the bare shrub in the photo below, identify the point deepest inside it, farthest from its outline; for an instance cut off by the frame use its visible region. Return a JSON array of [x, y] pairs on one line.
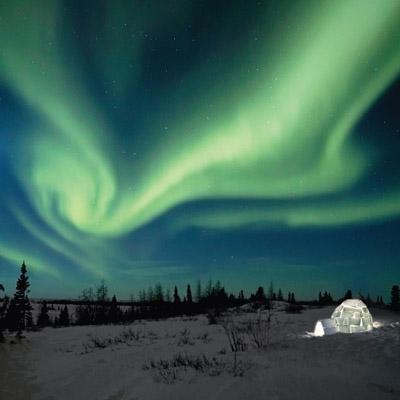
[[205, 337], [258, 330], [168, 370], [235, 335], [212, 317], [238, 366], [165, 370], [98, 343], [185, 338], [130, 335], [152, 336], [126, 337]]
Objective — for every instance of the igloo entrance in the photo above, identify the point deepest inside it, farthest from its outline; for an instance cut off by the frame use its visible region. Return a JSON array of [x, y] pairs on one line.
[[352, 316]]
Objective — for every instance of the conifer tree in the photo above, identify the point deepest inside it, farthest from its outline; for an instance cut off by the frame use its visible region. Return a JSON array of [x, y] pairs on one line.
[[102, 292], [189, 298], [260, 295], [177, 299], [395, 298], [293, 300], [198, 291], [3, 310], [63, 319], [209, 289], [150, 294], [348, 295], [271, 290], [29, 317], [85, 312], [113, 314], [43, 318], [158, 293], [142, 296], [102, 300], [19, 314], [280, 295]]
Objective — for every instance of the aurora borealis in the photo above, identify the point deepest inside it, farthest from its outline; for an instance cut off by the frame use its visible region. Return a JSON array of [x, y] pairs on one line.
[[182, 140]]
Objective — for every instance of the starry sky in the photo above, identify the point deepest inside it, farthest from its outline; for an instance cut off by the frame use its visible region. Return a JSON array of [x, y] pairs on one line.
[[171, 141]]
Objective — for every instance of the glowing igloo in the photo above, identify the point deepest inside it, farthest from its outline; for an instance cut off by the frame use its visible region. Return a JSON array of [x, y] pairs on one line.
[[352, 316]]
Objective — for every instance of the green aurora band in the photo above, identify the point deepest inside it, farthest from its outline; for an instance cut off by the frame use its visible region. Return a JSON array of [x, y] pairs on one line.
[[286, 137]]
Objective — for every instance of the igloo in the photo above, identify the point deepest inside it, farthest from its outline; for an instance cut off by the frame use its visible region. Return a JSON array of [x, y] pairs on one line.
[[352, 316]]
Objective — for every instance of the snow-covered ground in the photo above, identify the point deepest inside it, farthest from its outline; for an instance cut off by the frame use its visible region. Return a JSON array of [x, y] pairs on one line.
[[186, 358]]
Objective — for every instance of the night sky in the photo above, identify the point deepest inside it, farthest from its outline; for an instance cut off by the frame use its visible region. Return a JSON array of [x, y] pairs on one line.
[[171, 141]]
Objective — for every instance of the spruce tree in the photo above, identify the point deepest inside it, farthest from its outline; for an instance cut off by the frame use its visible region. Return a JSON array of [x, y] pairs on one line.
[[86, 310], [142, 296], [150, 294], [158, 293], [271, 291], [217, 287], [177, 299], [29, 316], [101, 306], [260, 295], [198, 292], [43, 318], [348, 295], [189, 298], [102, 292], [19, 314], [113, 314], [280, 295], [63, 319], [3, 310], [395, 298], [209, 289]]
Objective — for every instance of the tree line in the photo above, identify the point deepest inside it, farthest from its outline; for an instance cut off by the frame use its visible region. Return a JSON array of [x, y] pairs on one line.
[[96, 307]]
